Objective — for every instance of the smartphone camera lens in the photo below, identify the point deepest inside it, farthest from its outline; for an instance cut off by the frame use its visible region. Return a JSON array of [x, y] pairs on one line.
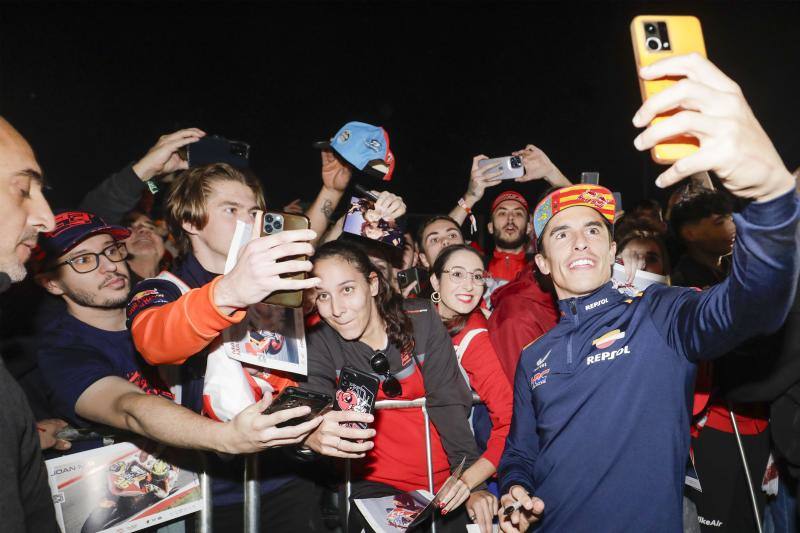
[[277, 224], [650, 28], [268, 218], [653, 43], [268, 228], [516, 162]]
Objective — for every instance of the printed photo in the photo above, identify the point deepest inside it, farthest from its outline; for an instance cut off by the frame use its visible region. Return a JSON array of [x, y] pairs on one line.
[[271, 336], [363, 220], [122, 487]]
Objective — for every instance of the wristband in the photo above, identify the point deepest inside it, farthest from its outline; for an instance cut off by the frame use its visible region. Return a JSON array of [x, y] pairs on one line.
[[473, 225]]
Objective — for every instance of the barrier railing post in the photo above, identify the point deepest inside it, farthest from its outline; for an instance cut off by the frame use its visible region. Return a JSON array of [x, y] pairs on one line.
[[204, 518], [429, 458], [252, 494], [347, 492]]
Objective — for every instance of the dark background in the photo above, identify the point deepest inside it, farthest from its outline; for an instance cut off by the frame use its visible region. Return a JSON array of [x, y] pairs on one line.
[[92, 86]]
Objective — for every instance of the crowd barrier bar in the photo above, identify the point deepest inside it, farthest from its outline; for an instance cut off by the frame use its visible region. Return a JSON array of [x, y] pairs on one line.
[[400, 404], [252, 489]]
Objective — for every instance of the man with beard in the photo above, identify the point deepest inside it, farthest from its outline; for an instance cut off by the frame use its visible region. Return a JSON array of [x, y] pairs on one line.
[[91, 370], [25, 502], [511, 228]]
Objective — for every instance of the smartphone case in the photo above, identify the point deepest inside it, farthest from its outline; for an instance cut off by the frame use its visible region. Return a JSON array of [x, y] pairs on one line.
[[294, 397], [510, 171], [289, 298], [685, 36], [356, 392]]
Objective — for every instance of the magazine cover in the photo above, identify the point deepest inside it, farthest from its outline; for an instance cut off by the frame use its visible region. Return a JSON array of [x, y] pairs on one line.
[[405, 511], [392, 514], [271, 336], [121, 488]]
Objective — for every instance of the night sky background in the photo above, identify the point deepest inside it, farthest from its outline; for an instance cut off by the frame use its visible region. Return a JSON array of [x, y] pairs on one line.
[[92, 86]]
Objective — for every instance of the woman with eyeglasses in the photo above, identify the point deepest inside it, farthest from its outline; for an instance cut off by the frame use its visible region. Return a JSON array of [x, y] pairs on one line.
[[458, 279], [367, 326]]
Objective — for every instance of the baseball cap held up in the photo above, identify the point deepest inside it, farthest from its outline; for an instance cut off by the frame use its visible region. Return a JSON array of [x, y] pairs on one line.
[[364, 146]]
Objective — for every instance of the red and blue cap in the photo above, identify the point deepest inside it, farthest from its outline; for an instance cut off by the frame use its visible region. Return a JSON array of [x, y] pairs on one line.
[[73, 227], [364, 146]]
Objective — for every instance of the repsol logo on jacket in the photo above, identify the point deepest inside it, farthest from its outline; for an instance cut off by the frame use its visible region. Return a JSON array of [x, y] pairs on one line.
[[598, 303], [607, 356]]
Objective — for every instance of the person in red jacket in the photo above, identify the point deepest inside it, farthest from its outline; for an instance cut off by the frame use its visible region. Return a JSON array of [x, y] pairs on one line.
[[523, 312], [459, 280]]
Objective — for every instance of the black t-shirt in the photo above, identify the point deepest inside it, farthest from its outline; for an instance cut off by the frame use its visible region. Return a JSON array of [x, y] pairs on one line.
[[74, 355]]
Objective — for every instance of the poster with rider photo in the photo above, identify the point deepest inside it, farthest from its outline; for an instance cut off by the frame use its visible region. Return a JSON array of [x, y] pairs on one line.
[[362, 220], [270, 336], [122, 488]]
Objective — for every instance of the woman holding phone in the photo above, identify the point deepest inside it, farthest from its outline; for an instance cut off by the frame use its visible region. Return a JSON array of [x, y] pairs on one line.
[[367, 326], [458, 279]]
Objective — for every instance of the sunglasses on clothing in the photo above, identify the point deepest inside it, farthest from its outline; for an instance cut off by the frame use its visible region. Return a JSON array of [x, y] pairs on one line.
[[380, 365]]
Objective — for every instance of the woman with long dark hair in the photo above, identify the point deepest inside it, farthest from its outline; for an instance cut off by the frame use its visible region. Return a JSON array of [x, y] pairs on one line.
[[368, 326], [458, 279]]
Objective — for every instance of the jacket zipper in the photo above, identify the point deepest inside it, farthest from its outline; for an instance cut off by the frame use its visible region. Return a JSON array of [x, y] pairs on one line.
[[574, 309]]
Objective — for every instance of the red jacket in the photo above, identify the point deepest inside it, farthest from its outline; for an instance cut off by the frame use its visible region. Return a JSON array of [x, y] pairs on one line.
[[484, 371], [523, 312], [506, 266]]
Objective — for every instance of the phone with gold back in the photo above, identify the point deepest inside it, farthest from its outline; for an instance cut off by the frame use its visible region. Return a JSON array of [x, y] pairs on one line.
[[273, 223], [656, 37]]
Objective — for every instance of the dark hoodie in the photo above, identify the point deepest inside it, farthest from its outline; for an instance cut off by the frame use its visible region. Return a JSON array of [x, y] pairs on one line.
[[523, 312]]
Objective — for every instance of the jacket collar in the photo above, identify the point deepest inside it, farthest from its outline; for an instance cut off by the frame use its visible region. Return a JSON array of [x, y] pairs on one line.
[[497, 254], [192, 272], [593, 303]]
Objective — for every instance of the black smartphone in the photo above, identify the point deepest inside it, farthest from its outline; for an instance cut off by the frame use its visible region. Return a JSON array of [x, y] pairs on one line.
[[407, 277], [356, 392], [294, 397], [217, 149]]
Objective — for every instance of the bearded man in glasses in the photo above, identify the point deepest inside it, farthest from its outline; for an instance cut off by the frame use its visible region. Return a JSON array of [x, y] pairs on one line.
[[91, 369]]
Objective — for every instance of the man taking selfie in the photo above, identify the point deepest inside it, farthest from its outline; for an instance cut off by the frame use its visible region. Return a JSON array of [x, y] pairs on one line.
[[600, 432]]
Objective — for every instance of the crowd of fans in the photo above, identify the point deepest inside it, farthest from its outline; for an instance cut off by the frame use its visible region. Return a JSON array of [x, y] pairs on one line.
[[618, 394]]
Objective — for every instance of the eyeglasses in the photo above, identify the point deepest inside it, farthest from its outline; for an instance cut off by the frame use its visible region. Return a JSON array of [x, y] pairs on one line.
[[458, 275], [380, 364], [85, 263]]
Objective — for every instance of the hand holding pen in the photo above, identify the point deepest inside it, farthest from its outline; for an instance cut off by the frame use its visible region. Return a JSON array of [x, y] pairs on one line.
[[518, 510]]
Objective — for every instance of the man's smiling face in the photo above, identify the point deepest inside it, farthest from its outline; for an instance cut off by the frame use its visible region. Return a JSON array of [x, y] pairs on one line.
[[577, 251]]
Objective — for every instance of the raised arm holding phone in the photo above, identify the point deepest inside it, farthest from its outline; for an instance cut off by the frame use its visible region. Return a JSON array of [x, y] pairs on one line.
[[640, 422]]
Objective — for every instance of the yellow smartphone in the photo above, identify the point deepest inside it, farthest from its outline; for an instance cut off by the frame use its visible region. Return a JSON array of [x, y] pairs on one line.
[[655, 37], [275, 223]]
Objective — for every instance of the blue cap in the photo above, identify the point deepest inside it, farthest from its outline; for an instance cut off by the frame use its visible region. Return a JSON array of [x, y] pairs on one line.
[[364, 146]]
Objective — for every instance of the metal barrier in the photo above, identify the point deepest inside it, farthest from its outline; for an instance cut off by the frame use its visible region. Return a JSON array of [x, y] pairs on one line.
[[252, 489], [401, 404]]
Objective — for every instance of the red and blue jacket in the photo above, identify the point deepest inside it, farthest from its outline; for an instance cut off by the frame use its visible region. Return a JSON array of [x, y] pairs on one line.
[[602, 402]]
